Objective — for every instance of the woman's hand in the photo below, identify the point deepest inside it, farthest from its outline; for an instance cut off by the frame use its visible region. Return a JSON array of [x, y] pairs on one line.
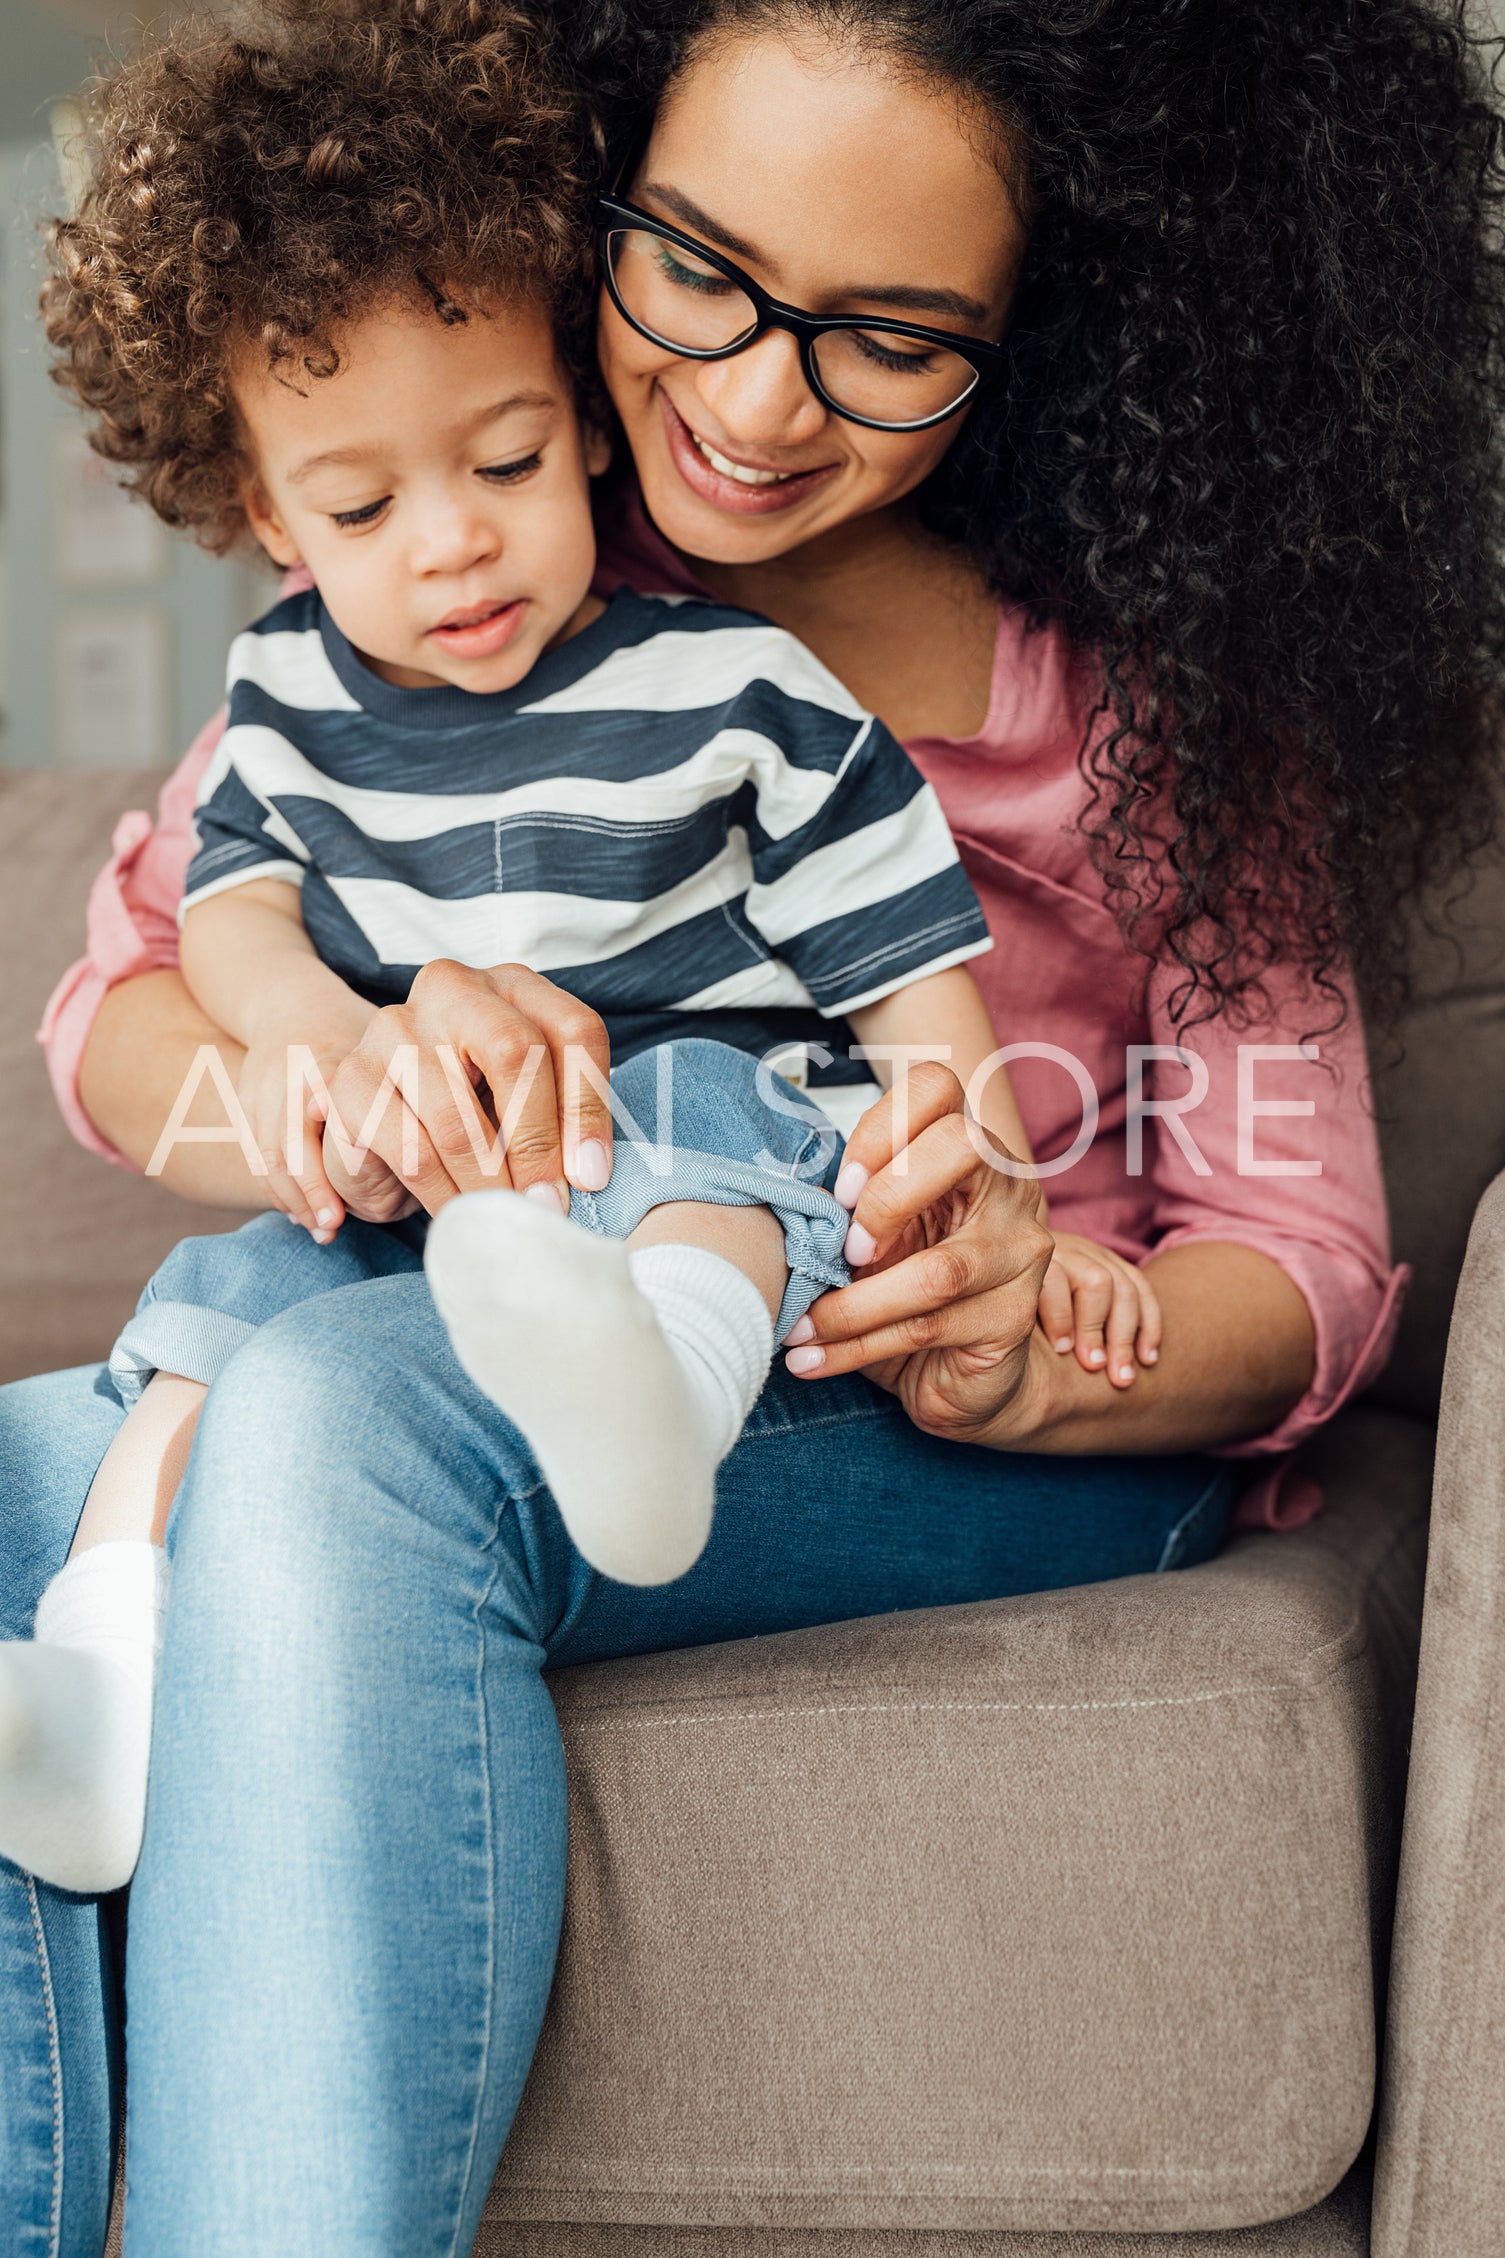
[[953, 1256], [432, 1080]]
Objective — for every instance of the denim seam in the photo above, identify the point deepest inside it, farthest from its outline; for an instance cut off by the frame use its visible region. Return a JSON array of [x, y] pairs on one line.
[[1188, 1521], [478, 1616], [808, 1426], [55, 2064]]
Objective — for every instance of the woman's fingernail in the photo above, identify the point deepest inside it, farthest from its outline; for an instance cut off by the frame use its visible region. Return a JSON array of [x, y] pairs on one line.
[[849, 1182], [325, 1218], [592, 1165], [860, 1245], [546, 1196], [1062, 1347], [1097, 1356], [801, 1361], [802, 1330], [1150, 1356], [1126, 1372]]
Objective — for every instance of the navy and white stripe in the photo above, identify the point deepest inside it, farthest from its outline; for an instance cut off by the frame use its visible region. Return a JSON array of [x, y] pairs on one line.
[[679, 809]]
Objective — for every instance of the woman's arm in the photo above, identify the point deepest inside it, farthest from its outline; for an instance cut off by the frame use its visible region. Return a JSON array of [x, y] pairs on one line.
[[1238, 1354], [140, 1051]]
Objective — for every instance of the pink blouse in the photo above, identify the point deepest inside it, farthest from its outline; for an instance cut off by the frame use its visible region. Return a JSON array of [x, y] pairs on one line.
[[1277, 1152]]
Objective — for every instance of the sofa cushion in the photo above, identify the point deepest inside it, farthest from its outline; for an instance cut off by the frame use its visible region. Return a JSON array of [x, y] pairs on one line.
[[1054, 1913], [1338, 2227], [80, 1239]]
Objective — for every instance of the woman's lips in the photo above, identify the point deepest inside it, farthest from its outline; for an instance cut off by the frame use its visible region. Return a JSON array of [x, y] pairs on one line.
[[724, 490], [481, 632]]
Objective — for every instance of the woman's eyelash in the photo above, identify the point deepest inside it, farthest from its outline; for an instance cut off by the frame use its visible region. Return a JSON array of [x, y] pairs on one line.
[[503, 473], [367, 514]]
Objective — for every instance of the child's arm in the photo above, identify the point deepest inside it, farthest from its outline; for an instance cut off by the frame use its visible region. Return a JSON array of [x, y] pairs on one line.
[[1092, 1300], [249, 963]]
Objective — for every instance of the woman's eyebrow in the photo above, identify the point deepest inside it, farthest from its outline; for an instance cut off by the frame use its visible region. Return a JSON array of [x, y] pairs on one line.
[[909, 298]]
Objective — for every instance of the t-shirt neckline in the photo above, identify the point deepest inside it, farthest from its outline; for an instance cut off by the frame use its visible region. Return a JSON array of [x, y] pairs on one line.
[[445, 705]]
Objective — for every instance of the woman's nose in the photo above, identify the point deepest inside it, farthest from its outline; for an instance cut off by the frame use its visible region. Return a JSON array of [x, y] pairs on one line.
[[761, 396]]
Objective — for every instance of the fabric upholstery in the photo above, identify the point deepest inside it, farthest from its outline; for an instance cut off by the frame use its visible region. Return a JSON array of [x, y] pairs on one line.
[[1052, 1913], [1336, 2228], [1441, 2193], [80, 1239], [1440, 1106]]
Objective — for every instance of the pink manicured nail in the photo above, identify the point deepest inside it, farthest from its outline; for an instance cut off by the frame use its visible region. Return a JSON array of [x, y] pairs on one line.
[[802, 1330], [325, 1218], [849, 1182], [1097, 1356], [546, 1196], [801, 1361], [1150, 1356], [860, 1246], [1062, 1347], [1126, 1372], [592, 1166]]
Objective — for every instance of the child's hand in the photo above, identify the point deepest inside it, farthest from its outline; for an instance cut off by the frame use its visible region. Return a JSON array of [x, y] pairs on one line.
[[1102, 1308], [274, 1105]]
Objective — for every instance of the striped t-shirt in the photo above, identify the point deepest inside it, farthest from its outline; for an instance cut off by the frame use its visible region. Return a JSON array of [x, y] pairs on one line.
[[678, 810]]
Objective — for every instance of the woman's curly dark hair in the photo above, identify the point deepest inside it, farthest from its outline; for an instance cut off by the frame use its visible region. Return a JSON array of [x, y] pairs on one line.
[[1246, 446], [253, 187]]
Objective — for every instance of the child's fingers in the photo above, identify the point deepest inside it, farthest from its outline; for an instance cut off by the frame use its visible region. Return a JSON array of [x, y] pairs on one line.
[[1122, 1328], [1056, 1318], [300, 1181], [1151, 1323], [1091, 1301], [326, 1209], [285, 1190]]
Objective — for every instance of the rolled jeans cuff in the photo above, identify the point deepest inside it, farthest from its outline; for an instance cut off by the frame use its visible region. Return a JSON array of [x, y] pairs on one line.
[[174, 1336], [648, 1176]]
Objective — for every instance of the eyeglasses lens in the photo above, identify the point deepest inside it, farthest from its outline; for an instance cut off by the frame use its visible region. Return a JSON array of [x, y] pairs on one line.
[[876, 373]]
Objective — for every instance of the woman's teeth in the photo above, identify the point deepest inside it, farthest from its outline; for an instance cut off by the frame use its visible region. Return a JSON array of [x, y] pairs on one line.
[[740, 471]]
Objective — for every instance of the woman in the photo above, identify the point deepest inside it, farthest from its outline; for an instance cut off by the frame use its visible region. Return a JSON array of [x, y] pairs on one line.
[[1267, 630]]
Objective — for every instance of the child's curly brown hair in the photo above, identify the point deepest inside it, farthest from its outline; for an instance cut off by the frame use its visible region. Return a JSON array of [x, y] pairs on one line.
[[256, 184]]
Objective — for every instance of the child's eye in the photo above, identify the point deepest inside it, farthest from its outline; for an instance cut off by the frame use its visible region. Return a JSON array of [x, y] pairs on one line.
[[367, 514], [505, 474]]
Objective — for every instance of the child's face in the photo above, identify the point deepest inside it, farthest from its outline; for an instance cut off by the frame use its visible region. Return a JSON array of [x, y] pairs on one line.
[[436, 486]]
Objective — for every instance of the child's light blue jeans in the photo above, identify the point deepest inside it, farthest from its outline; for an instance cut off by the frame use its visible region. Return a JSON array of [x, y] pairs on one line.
[[698, 1121]]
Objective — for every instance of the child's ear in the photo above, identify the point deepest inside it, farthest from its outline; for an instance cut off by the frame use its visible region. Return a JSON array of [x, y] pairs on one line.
[[597, 452], [261, 516]]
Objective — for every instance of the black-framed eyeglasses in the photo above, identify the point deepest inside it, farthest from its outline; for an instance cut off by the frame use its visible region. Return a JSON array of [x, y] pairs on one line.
[[678, 293]]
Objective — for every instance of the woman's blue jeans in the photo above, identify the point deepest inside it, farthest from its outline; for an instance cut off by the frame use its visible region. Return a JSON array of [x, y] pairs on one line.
[[344, 1923]]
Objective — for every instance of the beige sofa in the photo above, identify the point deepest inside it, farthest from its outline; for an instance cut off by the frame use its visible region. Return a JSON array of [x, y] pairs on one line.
[[1058, 1926]]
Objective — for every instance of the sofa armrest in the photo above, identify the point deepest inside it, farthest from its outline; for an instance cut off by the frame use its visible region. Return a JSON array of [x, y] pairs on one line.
[[1440, 2185]]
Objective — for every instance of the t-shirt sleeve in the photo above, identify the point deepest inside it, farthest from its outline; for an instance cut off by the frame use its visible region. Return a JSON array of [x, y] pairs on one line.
[[239, 835], [856, 881]]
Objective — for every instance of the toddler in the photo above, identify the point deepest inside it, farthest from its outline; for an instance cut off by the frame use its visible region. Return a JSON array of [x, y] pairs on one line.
[[331, 289]]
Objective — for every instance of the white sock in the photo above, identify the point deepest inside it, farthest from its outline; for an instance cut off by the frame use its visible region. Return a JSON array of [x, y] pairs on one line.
[[76, 1719], [629, 1374]]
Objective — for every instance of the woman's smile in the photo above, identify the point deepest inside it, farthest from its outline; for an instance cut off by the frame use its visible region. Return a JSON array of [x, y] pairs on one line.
[[732, 481]]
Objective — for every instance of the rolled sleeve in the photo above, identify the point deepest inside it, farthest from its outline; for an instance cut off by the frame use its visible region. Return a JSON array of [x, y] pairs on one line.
[[131, 927], [1282, 1156]]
